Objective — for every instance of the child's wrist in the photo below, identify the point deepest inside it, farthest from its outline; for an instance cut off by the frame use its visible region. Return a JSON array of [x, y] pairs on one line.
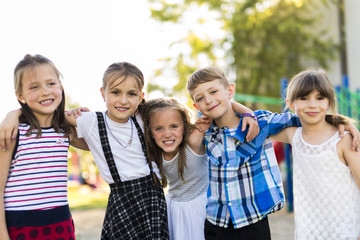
[[253, 116]]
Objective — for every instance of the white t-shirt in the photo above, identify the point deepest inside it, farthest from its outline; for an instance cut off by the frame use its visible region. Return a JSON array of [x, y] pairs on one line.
[[130, 162]]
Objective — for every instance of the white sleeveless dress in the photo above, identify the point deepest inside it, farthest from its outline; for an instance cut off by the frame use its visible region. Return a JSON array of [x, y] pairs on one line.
[[326, 197]]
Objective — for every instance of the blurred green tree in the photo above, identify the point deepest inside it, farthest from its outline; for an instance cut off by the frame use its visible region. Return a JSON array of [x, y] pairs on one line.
[[257, 42]]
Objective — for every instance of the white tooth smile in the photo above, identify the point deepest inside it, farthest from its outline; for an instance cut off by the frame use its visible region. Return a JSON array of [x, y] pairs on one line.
[[46, 101], [169, 142], [121, 108]]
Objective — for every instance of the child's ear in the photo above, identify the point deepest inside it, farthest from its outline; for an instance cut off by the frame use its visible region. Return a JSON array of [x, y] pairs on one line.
[[102, 93], [195, 106], [290, 105], [231, 89], [20, 98], [61, 86]]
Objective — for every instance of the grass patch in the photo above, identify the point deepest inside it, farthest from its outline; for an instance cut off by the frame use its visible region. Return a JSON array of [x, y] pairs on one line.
[[83, 197]]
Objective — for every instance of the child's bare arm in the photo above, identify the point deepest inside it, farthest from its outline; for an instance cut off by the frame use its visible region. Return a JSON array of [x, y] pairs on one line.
[[344, 123], [195, 138], [351, 157], [247, 121], [354, 131], [5, 160], [78, 142], [9, 128], [285, 136], [71, 116]]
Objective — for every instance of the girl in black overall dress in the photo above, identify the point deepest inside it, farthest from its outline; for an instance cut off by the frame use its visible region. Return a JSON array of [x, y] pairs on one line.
[[136, 199], [136, 207]]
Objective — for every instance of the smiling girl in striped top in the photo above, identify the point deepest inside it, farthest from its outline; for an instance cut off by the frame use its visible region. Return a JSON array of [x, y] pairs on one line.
[[33, 174]]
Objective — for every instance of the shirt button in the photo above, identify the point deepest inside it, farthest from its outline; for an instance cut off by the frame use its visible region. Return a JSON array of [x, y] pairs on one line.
[[227, 165]]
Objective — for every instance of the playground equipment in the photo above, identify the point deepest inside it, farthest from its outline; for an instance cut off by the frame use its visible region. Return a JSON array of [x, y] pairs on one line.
[[348, 102]]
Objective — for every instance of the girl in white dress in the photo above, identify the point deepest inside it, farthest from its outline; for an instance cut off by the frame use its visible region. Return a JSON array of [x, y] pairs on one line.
[[177, 147], [326, 171]]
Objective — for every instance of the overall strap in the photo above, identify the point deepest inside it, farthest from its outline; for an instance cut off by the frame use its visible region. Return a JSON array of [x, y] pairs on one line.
[[106, 147], [142, 140]]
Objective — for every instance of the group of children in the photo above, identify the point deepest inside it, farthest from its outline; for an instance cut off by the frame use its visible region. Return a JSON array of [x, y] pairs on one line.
[[221, 171]]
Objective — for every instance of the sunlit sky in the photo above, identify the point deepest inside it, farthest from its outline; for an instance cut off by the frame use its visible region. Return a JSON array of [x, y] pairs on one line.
[[82, 38]]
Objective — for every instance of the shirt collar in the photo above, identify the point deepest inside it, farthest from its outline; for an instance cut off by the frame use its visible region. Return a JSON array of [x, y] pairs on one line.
[[240, 135], [214, 130]]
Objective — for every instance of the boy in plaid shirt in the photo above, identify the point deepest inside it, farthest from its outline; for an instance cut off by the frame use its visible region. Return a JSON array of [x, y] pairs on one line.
[[245, 182]]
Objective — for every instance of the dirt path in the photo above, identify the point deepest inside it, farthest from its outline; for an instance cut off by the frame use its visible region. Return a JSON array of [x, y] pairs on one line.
[[88, 224]]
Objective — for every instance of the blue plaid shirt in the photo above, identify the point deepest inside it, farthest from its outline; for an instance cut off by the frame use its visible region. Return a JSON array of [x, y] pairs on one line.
[[245, 181]]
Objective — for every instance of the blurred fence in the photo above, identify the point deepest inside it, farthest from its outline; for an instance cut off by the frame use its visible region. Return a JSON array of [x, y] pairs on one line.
[[348, 102]]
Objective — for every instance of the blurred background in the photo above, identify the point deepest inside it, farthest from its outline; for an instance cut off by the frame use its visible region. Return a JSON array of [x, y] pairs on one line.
[[259, 43]]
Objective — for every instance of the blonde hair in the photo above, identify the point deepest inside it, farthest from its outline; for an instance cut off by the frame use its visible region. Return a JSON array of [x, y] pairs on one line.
[[148, 110], [122, 70], [29, 63], [309, 80], [207, 74]]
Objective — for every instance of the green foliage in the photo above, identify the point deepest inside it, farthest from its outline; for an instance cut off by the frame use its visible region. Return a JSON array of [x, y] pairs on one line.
[[275, 42], [266, 40], [167, 11], [88, 199]]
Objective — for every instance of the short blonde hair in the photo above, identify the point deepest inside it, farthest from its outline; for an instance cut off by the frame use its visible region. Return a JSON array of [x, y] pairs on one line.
[[207, 74]]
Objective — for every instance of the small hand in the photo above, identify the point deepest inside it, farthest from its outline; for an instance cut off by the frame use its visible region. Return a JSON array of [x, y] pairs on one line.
[[253, 128], [354, 131], [203, 123], [9, 129], [77, 111], [7, 134]]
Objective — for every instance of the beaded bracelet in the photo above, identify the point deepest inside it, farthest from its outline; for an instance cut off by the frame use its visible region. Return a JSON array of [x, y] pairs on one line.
[[253, 116]]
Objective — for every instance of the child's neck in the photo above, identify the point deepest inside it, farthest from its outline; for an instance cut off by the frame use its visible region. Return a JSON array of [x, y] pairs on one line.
[[317, 134], [169, 156], [230, 120], [44, 121]]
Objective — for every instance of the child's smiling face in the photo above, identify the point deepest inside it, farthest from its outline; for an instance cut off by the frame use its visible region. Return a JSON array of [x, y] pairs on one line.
[[167, 129], [312, 108], [41, 91], [122, 99], [212, 98]]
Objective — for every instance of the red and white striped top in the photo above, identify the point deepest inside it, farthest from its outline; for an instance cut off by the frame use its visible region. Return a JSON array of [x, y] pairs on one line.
[[38, 173]]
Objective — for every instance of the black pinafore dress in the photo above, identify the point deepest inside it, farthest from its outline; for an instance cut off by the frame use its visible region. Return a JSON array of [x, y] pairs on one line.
[[137, 208]]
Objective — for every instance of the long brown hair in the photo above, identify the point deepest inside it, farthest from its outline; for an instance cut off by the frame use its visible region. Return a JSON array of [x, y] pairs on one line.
[[28, 63], [148, 111]]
